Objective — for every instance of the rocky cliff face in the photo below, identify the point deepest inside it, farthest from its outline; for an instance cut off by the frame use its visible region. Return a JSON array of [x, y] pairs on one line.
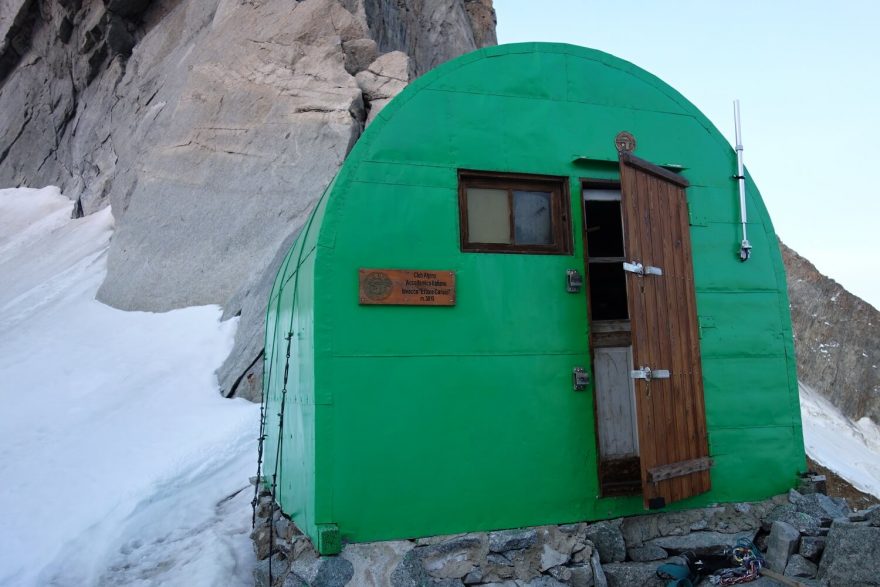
[[837, 338], [210, 126]]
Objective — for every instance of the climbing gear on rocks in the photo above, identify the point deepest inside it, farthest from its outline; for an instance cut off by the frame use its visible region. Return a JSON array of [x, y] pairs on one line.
[[749, 561], [681, 574], [723, 566]]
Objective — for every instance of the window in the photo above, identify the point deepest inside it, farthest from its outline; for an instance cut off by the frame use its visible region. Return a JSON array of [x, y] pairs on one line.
[[513, 213]]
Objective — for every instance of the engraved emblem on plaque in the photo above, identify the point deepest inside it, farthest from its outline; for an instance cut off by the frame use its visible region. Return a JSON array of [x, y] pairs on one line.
[[377, 286]]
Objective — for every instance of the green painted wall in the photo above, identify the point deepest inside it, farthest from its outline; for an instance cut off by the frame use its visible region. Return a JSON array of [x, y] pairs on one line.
[[412, 421]]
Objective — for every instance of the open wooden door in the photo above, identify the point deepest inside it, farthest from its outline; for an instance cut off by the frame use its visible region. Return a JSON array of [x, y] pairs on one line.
[[665, 334]]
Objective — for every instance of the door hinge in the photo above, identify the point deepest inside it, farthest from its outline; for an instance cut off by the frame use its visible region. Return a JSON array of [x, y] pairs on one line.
[[648, 374], [580, 379], [641, 270]]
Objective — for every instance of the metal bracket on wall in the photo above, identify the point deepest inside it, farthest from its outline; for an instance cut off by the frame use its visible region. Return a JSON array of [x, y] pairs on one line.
[[573, 281], [580, 379], [642, 270]]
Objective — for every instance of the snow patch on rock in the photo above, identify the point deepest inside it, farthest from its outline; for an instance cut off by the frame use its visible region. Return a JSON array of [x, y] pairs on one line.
[[121, 463]]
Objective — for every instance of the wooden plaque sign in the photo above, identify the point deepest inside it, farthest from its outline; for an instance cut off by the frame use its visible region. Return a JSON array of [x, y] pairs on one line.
[[404, 287]]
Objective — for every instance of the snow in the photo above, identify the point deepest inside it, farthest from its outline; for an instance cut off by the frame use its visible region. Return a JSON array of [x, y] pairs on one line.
[[850, 449], [121, 463]]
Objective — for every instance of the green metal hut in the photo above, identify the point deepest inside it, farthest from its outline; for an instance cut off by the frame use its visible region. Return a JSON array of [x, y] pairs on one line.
[[520, 302]]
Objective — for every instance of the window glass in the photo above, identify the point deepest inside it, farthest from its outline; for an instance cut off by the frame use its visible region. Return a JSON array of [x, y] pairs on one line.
[[532, 218], [514, 213], [488, 216]]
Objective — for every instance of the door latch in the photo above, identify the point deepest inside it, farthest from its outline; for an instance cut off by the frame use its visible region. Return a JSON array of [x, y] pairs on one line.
[[648, 374], [642, 270], [573, 281], [580, 379]]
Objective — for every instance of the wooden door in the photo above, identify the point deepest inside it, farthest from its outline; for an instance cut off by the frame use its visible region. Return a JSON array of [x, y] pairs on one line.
[[666, 348]]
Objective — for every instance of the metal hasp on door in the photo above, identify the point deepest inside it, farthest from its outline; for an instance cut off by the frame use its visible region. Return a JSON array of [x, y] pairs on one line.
[[665, 334]]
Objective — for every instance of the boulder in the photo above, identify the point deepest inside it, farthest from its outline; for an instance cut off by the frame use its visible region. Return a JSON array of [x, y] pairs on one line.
[[820, 506], [374, 562], [383, 79], [637, 530], [305, 562], [681, 523], [698, 542], [811, 547], [454, 558], [871, 514], [608, 540], [783, 541], [280, 565], [788, 513], [512, 539], [628, 574], [544, 581], [262, 537], [599, 578], [334, 571], [733, 519], [359, 53], [642, 554], [409, 572], [431, 32], [852, 555], [581, 576], [551, 558], [799, 566], [475, 576], [497, 568]]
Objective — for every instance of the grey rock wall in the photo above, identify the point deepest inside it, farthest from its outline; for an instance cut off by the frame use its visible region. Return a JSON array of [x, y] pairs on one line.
[[210, 126], [842, 549], [431, 32], [837, 338]]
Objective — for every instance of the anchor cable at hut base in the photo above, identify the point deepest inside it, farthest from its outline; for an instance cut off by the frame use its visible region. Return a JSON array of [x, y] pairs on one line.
[[265, 397]]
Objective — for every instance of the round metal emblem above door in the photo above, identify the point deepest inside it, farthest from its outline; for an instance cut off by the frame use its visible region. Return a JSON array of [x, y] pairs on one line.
[[625, 142]]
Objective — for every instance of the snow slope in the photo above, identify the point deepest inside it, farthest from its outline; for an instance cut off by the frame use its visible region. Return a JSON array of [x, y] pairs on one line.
[[121, 464], [850, 449]]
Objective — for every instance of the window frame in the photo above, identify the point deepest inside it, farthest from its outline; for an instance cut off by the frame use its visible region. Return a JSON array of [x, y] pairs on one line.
[[560, 210]]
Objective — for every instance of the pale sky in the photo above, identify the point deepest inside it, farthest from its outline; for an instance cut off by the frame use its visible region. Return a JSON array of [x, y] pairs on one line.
[[807, 74]]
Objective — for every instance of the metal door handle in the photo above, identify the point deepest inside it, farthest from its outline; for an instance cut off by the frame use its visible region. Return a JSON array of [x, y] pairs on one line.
[[648, 374]]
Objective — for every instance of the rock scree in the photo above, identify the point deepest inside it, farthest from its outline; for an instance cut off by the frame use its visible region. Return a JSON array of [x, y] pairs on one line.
[[613, 553]]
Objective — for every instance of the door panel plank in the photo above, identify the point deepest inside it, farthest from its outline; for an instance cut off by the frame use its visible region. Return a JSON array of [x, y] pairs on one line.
[[702, 440], [615, 405], [677, 283], [671, 412], [632, 249], [660, 199], [657, 300]]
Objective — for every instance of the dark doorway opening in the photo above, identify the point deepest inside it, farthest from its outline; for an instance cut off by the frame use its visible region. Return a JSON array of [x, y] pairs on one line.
[[611, 341]]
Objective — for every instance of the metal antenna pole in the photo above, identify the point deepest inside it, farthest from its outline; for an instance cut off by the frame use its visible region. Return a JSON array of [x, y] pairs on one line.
[[745, 249]]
